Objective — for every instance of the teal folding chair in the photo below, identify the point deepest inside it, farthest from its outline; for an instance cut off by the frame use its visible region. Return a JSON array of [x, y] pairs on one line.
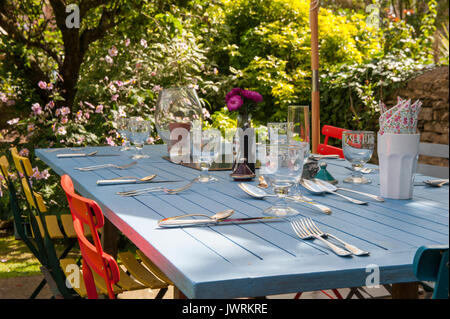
[[431, 267]]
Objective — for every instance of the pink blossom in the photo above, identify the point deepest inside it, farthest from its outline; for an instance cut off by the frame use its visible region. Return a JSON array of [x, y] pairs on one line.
[[150, 140], [64, 120], [144, 43], [86, 115], [153, 73], [65, 111], [37, 110], [109, 60], [36, 173], [89, 104], [115, 97], [113, 51], [99, 108], [24, 152], [206, 114], [3, 97], [10, 102], [13, 121], [157, 88], [42, 85], [30, 127], [119, 83], [49, 86], [110, 141], [50, 105], [79, 115], [127, 42], [45, 174], [61, 130]]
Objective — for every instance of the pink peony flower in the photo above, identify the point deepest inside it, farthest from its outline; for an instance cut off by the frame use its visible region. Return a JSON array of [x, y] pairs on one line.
[[252, 95], [234, 103], [233, 92]]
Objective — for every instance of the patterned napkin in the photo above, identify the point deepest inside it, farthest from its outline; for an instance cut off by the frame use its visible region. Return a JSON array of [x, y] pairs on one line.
[[401, 118]]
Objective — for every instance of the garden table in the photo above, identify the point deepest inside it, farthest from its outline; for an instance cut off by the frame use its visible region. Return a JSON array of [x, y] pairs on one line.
[[259, 259]]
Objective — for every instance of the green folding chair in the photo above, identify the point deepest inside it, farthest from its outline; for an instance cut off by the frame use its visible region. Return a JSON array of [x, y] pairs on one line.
[[431, 268]]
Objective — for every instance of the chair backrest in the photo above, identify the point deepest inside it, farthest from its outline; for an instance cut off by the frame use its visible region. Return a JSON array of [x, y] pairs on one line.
[[431, 264], [433, 150], [41, 246], [333, 132], [86, 212]]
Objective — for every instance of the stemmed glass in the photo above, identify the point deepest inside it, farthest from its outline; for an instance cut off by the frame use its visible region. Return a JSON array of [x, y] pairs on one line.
[[177, 107], [299, 134], [281, 167], [140, 132], [206, 150], [123, 128], [358, 148]]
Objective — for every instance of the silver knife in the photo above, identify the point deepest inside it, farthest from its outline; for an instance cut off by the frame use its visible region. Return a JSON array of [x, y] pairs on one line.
[[169, 222], [103, 182], [83, 154]]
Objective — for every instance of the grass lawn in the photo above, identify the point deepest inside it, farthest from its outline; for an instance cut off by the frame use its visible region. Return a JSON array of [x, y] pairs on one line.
[[16, 259]]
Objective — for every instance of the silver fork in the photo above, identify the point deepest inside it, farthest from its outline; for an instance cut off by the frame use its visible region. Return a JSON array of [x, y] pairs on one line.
[[94, 167], [303, 233], [152, 189], [311, 226], [182, 188]]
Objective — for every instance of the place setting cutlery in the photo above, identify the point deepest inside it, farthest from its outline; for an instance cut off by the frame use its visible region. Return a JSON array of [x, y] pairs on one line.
[[305, 228], [318, 157], [94, 153], [100, 166], [318, 188], [259, 193], [220, 218], [171, 191], [132, 180], [432, 182]]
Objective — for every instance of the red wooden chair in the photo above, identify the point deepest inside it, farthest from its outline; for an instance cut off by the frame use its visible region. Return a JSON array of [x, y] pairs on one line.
[[333, 132], [97, 264]]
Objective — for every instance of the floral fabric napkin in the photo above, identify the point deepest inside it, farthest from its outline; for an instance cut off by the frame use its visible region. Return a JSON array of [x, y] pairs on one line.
[[401, 118]]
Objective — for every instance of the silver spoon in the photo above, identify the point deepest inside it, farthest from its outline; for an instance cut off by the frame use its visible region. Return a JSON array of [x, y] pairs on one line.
[[320, 190], [180, 189], [260, 194], [436, 182], [334, 189]]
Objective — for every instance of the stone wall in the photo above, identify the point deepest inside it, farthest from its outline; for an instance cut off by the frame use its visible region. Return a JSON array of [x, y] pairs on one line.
[[432, 89]]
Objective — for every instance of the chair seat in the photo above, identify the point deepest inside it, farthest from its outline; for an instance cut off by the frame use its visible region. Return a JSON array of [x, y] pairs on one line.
[[140, 272], [67, 223], [141, 277], [153, 268]]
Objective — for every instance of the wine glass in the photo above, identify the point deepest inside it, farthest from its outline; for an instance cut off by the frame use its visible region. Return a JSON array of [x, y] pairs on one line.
[[298, 134], [177, 107], [124, 130], [206, 149], [358, 148], [281, 167], [140, 131]]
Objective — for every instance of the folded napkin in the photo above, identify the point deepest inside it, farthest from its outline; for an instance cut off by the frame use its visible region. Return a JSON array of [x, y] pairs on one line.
[[401, 118]]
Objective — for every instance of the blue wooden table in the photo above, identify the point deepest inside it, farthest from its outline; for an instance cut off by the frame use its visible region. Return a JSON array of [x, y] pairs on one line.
[[263, 258]]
